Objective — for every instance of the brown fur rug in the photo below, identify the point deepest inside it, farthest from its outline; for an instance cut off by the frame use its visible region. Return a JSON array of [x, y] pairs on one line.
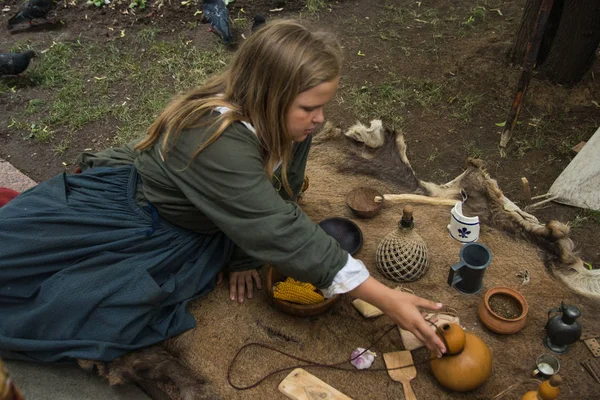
[[517, 241]]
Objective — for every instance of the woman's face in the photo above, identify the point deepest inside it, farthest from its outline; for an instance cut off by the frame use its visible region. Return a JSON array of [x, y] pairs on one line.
[[306, 111]]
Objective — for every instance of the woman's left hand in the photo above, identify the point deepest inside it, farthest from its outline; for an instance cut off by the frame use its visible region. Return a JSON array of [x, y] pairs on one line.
[[241, 283]]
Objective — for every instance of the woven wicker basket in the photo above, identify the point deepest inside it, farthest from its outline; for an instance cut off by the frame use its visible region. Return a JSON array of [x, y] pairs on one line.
[[402, 255]]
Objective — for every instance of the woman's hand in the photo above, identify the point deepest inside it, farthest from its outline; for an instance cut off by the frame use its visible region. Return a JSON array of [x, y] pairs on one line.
[[241, 283], [402, 309]]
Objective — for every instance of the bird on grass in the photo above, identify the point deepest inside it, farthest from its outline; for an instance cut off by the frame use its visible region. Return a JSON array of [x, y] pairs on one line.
[[33, 9], [15, 63], [259, 21], [215, 12]]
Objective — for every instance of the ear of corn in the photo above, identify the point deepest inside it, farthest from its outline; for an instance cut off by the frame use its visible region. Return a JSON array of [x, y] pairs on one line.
[[296, 293], [306, 285]]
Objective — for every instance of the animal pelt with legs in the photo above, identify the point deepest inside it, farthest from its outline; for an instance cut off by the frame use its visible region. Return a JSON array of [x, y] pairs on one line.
[[150, 365], [381, 152]]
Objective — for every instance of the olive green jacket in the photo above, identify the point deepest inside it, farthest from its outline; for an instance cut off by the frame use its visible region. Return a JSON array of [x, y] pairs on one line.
[[225, 188]]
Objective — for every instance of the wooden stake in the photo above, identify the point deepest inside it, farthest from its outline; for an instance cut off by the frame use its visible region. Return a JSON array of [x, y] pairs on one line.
[[526, 189], [533, 47], [541, 196], [577, 148], [539, 203]]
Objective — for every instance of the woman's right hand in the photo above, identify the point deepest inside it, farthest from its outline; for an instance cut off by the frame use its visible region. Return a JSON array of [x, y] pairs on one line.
[[402, 309]]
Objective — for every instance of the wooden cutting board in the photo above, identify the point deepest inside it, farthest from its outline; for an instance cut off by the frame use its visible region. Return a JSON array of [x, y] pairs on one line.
[[302, 385], [403, 375]]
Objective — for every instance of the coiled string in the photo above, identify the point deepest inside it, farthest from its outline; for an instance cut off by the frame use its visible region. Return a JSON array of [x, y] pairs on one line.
[[314, 364]]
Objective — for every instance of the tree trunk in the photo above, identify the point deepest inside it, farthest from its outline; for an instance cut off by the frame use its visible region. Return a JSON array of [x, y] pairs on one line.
[[569, 44]]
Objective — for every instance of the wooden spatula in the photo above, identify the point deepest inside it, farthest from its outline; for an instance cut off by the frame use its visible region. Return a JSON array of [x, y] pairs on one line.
[[403, 375]]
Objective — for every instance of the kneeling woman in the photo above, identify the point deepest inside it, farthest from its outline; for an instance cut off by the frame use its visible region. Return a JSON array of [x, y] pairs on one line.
[[97, 264]]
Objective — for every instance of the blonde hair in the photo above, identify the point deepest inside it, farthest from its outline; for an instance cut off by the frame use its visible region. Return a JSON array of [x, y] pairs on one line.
[[269, 70]]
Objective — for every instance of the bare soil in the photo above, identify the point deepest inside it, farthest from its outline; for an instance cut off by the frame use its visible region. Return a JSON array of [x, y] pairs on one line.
[[462, 44]]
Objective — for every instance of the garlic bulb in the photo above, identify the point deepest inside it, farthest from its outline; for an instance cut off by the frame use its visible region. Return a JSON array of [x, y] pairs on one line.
[[364, 360]]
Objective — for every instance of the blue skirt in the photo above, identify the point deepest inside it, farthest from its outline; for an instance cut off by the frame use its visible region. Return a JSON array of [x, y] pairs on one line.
[[87, 273]]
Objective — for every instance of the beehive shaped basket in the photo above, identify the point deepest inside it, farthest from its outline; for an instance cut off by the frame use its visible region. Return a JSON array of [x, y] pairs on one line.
[[402, 255]]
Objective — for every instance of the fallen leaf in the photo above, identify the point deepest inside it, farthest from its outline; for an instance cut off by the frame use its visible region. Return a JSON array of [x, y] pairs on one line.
[[276, 10], [198, 12], [360, 53], [501, 123]]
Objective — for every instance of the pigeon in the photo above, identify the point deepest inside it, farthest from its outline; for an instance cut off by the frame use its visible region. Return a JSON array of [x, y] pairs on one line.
[[31, 10], [215, 12], [15, 63], [259, 21]]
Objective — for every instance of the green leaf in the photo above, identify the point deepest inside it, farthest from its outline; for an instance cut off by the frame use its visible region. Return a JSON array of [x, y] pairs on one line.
[[503, 123]]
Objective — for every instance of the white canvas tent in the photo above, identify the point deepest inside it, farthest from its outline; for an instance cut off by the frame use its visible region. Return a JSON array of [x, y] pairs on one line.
[[579, 184]]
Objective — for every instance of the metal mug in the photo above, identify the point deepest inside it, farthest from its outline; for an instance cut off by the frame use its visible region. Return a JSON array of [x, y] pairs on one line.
[[546, 365], [466, 276]]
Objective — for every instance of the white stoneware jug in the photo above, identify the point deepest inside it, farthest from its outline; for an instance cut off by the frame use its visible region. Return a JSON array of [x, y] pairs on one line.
[[462, 228]]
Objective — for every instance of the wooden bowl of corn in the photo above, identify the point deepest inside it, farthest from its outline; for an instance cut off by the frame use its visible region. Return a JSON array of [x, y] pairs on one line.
[[281, 287]]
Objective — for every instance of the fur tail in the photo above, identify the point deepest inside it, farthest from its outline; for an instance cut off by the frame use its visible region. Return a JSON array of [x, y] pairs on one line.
[[149, 365]]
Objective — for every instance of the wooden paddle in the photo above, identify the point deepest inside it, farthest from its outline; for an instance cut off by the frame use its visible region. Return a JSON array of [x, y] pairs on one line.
[[404, 375], [302, 385]]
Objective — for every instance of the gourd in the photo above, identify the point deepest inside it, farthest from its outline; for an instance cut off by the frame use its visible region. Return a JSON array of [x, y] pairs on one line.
[[468, 362], [548, 390]]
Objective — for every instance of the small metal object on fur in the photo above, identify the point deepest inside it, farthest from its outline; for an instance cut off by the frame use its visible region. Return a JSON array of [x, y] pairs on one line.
[[402, 255]]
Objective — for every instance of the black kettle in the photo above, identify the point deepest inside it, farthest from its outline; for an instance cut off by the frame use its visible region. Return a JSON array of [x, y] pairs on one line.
[[562, 330]]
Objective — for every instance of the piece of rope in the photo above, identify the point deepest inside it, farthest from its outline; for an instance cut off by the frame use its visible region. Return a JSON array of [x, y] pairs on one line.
[[313, 364]]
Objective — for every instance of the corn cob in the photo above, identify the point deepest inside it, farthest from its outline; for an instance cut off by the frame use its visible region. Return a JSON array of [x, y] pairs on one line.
[[296, 293], [306, 285]]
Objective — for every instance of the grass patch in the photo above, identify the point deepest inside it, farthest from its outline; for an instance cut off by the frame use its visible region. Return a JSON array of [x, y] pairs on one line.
[[472, 150], [586, 216], [390, 100], [476, 17], [314, 6], [464, 105], [90, 82], [40, 132], [34, 106]]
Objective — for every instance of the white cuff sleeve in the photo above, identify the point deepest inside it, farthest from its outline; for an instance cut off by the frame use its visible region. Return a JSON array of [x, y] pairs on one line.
[[349, 277]]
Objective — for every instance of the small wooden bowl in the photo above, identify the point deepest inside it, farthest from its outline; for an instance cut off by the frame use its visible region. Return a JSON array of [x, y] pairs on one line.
[[497, 323], [299, 310], [346, 232], [362, 202]]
